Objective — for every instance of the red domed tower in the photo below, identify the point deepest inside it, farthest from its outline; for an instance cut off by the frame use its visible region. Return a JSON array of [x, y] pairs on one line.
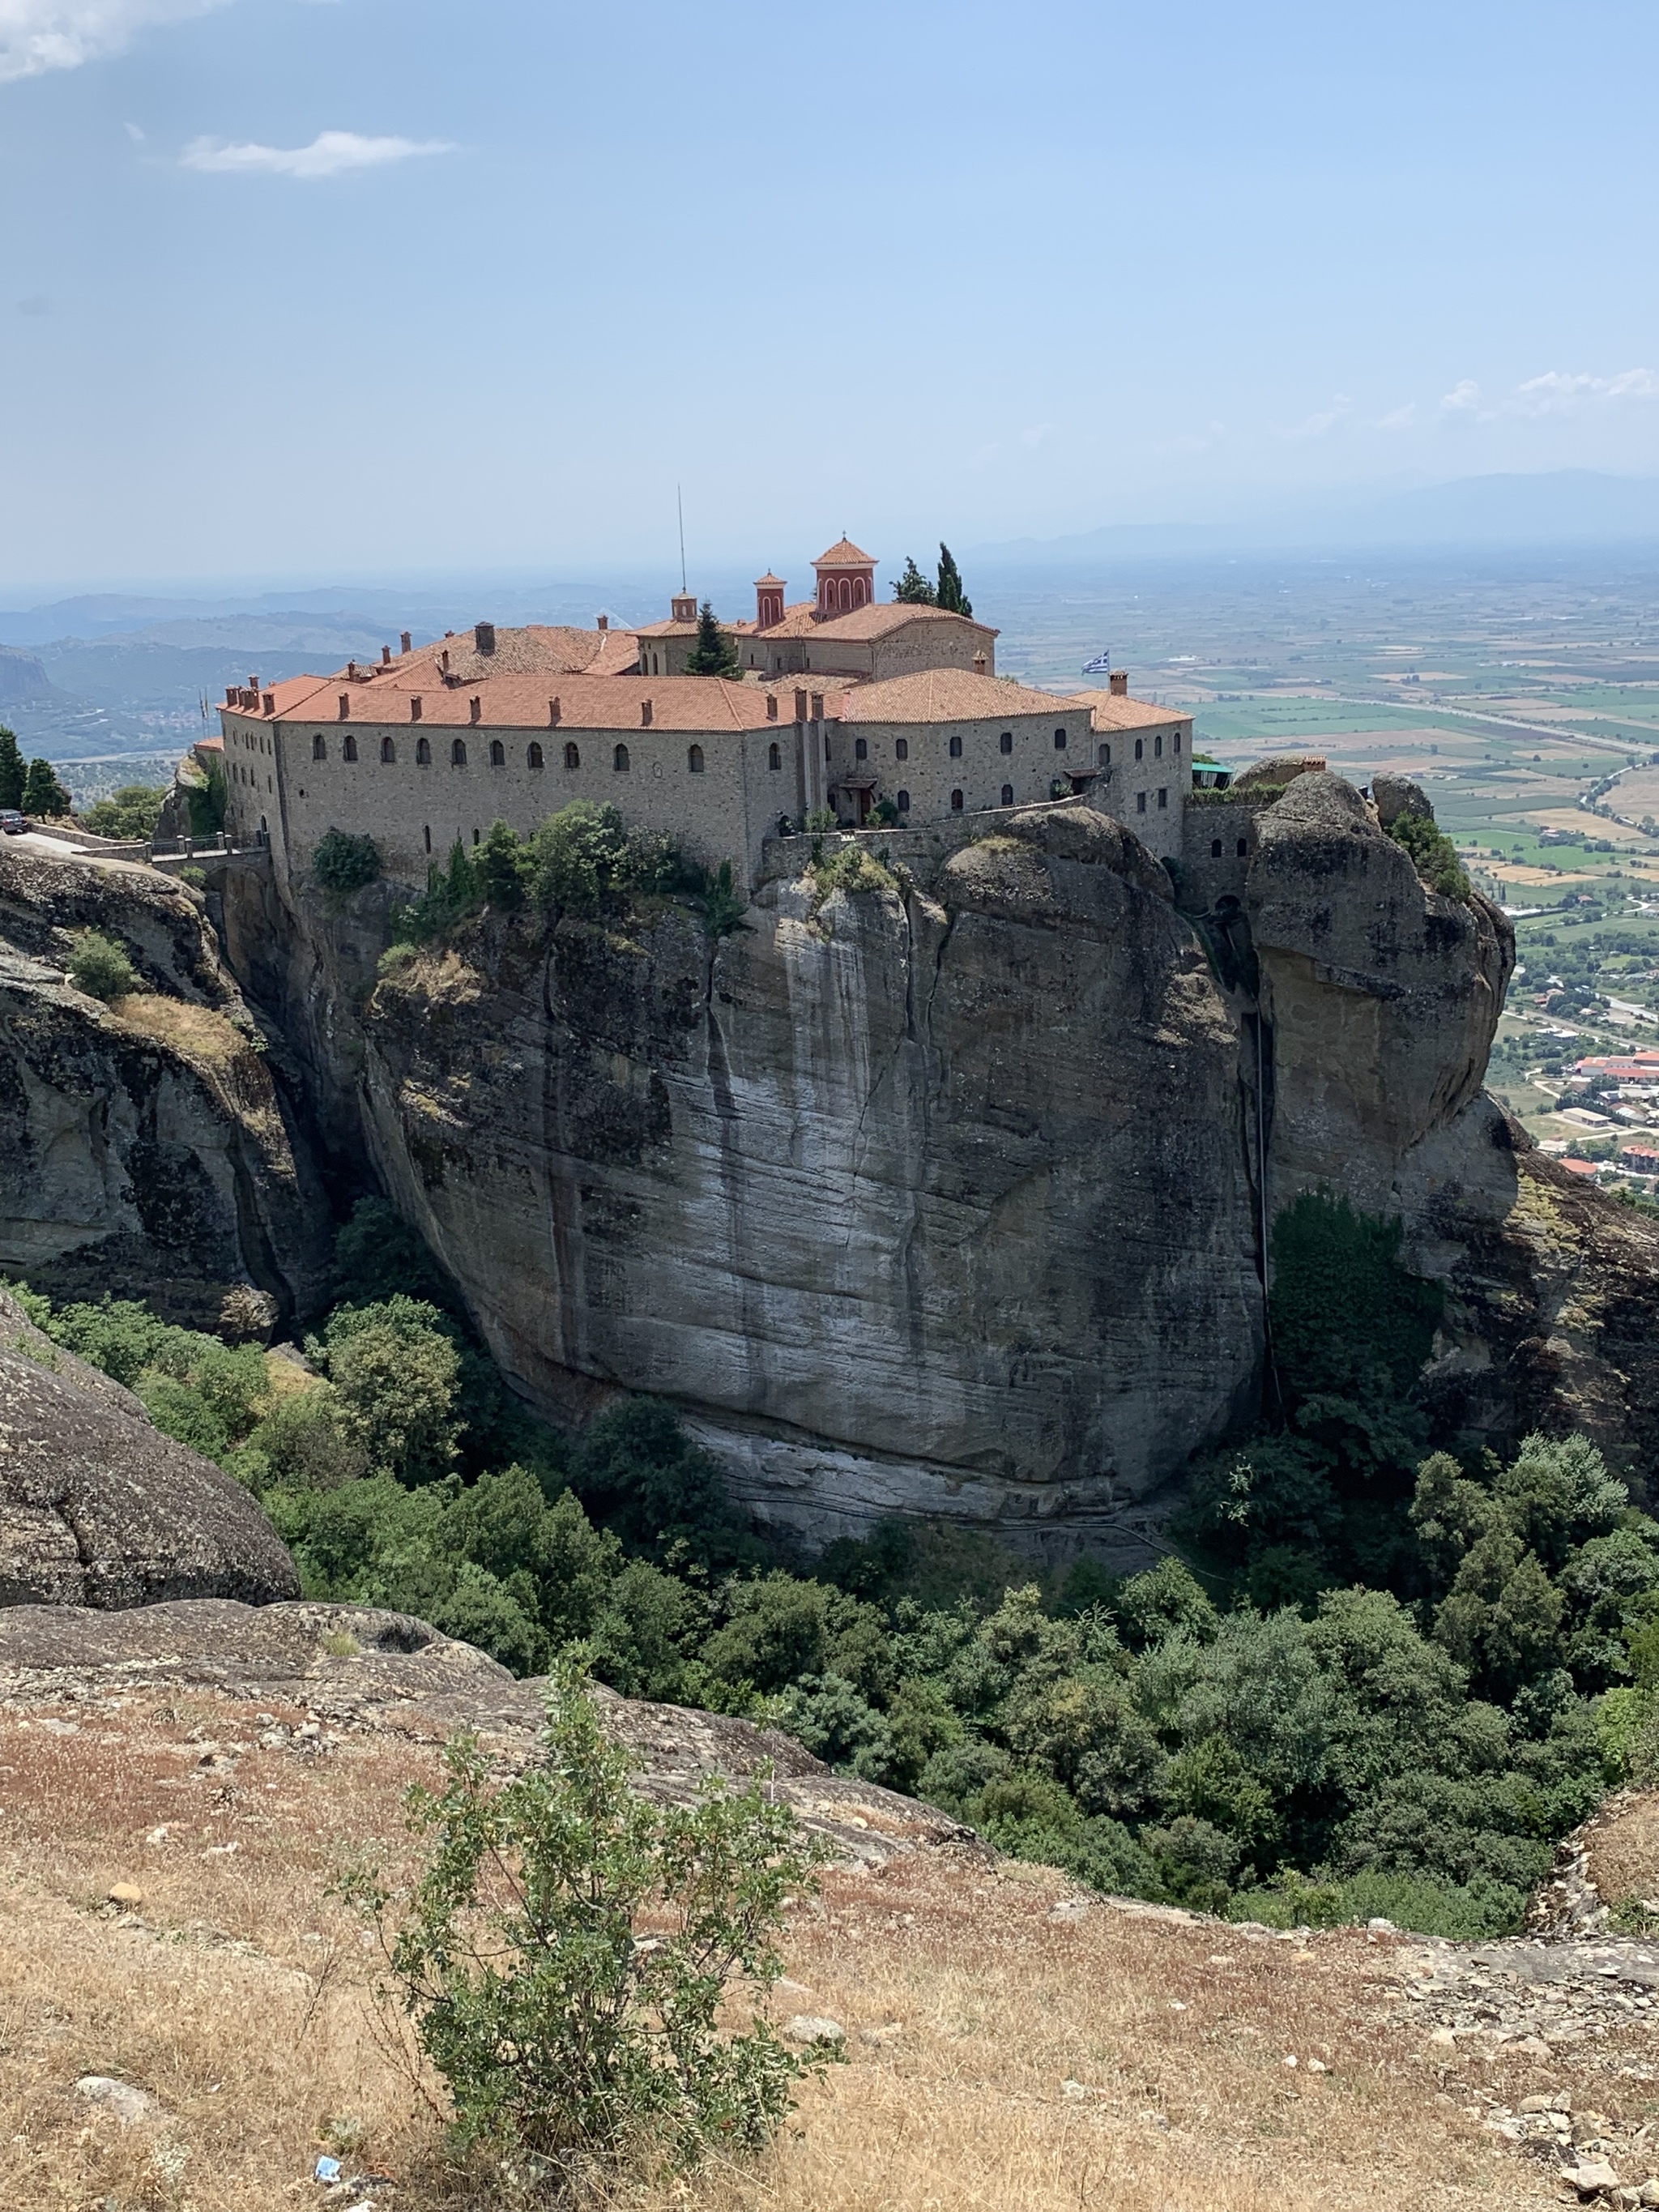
[[847, 579], [769, 600]]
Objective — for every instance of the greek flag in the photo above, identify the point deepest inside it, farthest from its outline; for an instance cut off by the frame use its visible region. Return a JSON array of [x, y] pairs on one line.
[[1100, 666]]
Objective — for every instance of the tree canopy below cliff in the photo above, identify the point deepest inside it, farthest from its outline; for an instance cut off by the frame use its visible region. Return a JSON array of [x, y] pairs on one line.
[[1387, 1680]]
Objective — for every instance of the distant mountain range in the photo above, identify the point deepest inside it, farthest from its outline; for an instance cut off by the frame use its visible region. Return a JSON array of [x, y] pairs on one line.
[[1562, 507]]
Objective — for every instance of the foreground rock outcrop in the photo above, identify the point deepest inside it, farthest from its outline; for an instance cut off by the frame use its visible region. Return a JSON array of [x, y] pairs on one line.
[[358, 1668], [146, 1149], [98, 1509]]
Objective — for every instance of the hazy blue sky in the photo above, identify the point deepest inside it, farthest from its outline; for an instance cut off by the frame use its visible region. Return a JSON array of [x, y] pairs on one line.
[[374, 285]]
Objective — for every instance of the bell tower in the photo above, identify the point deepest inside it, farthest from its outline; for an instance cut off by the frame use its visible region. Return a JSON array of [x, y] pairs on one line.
[[847, 579], [769, 600]]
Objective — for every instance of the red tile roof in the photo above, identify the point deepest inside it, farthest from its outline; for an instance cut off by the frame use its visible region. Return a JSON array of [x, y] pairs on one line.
[[701, 703], [1113, 711], [949, 695], [843, 554]]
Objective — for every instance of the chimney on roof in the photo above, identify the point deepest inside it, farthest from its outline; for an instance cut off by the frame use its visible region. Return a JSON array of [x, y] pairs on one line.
[[443, 658], [483, 636], [386, 656], [553, 714], [979, 663], [604, 621], [1118, 683], [404, 638], [477, 705], [345, 705], [645, 713], [233, 691], [415, 707], [253, 683], [351, 672], [268, 702], [771, 706], [800, 705], [818, 705]]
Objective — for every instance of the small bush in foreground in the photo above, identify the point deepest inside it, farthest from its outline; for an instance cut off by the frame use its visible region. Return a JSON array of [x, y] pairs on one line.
[[99, 967], [568, 1947]]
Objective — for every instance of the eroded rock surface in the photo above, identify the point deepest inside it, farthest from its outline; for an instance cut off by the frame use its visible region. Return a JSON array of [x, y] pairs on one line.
[[355, 1667], [146, 1149], [98, 1509], [930, 1198]]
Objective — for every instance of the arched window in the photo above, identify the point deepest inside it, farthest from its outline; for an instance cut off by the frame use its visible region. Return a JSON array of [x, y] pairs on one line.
[[902, 749], [619, 760], [845, 593], [533, 757], [956, 802], [571, 757], [655, 670], [860, 749], [694, 759], [1215, 848], [858, 590], [1243, 847], [955, 748], [1105, 756], [422, 753], [388, 751], [457, 752], [1178, 741], [1006, 741], [902, 802], [427, 832], [475, 836], [497, 753], [1141, 748], [1157, 746], [1060, 741], [1007, 794], [773, 757], [349, 746], [319, 747]]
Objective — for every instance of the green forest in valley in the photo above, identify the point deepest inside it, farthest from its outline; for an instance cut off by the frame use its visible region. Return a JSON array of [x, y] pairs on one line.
[[1379, 1678]]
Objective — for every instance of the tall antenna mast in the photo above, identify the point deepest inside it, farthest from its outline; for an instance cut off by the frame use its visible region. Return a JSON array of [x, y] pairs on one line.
[[680, 503]]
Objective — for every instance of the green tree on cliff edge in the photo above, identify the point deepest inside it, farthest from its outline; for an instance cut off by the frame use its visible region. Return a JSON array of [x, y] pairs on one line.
[[950, 595], [713, 653], [11, 770]]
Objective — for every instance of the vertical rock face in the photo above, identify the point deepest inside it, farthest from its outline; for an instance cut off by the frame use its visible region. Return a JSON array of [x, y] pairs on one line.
[[926, 1201], [145, 1149], [1382, 999], [1381, 996]]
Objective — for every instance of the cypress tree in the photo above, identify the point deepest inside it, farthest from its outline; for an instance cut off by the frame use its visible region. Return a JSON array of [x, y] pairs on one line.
[[951, 595], [500, 869], [913, 589], [42, 793], [713, 653], [11, 770]]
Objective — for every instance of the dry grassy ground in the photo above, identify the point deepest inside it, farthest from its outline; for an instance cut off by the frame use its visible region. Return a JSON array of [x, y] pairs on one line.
[[1002, 2052]]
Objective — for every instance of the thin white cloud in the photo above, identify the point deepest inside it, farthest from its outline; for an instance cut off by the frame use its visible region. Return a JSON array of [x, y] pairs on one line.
[[1559, 392], [1320, 424], [329, 154], [1465, 398], [37, 35], [1402, 418]]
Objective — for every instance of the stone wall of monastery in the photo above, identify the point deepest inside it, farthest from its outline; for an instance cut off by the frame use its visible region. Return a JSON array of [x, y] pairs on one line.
[[416, 810], [982, 772]]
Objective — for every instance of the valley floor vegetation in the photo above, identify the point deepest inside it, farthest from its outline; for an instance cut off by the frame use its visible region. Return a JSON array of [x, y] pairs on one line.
[[1385, 1679]]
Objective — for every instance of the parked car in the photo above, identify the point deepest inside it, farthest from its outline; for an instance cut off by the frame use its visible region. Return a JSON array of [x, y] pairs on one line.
[[12, 821]]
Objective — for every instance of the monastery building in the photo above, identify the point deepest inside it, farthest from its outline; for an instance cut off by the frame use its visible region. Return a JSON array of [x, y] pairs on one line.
[[841, 702]]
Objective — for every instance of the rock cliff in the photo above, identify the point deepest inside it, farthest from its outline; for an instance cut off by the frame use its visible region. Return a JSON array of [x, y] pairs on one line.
[[1380, 999], [97, 1509], [146, 1148], [946, 1194]]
